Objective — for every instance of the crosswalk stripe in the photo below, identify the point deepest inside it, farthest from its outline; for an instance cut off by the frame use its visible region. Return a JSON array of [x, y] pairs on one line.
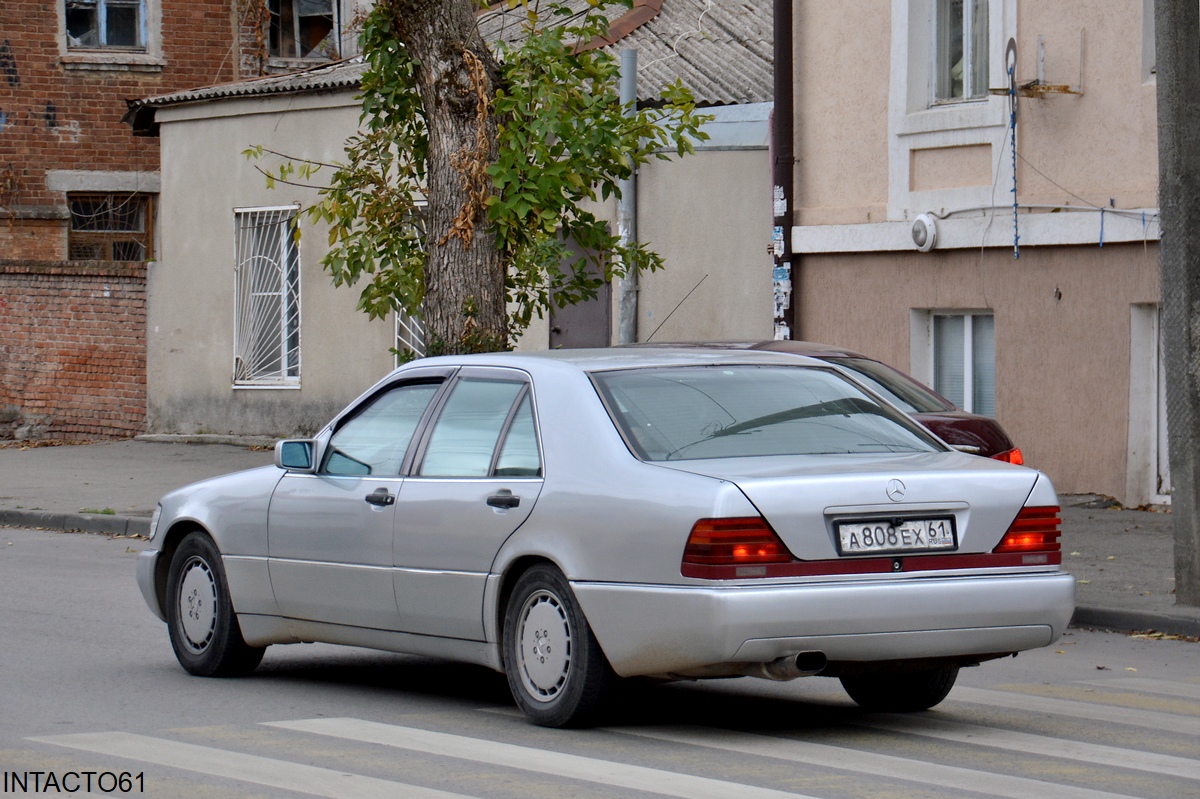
[[1029, 743], [577, 767], [864, 762], [1165, 722], [1185, 690], [246, 768]]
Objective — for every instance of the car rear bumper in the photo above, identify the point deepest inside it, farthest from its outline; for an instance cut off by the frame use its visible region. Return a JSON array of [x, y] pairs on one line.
[[147, 564], [652, 629]]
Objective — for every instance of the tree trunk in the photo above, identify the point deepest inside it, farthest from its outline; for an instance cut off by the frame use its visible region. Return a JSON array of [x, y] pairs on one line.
[[1176, 31], [464, 306]]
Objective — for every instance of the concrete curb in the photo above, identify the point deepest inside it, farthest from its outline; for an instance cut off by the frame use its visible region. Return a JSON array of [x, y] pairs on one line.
[[102, 523], [209, 438], [1121, 620]]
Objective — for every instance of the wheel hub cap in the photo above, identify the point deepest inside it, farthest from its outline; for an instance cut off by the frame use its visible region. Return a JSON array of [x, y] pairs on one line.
[[545, 646], [197, 604]]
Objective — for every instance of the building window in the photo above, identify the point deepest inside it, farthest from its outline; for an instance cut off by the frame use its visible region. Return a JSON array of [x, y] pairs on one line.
[[267, 312], [104, 24], [960, 50], [110, 227], [302, 29], [964, 360]]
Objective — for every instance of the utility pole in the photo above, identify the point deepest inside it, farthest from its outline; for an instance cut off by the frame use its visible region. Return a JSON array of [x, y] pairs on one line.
[[1177, 62]]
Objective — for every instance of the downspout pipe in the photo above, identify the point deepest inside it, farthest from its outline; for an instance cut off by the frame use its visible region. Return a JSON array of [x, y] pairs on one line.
[[627, 286], [783, 173]]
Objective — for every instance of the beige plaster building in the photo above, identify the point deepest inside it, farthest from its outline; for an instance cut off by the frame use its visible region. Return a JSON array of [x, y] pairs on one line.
[[905, 137]]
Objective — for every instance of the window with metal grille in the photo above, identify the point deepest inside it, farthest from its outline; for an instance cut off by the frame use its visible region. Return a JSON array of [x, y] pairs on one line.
[[103, 24], [302, 29], [110, 227], [266, 338]]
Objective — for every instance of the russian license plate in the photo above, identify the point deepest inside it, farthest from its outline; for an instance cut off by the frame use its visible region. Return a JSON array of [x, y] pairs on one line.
[[896, 535]]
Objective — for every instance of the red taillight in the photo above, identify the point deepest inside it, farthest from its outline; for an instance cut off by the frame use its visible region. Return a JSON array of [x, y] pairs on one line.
[[734, 542], [1035, 531], [1010, 456]]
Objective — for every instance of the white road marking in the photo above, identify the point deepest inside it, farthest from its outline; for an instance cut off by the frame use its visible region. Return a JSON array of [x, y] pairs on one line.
[[542, 761], [1165, 722], [1045, 745], [246, 768], [1186, 690], [864, 762]]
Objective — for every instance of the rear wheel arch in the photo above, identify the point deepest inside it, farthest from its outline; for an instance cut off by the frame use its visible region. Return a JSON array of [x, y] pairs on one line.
[[507, 582]]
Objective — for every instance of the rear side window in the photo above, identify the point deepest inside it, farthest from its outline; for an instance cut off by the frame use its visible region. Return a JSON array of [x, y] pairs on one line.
[[895, 387], [733, 411], [485, 428]]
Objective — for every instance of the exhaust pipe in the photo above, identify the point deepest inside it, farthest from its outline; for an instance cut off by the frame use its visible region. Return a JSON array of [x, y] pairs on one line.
[[789, 667]]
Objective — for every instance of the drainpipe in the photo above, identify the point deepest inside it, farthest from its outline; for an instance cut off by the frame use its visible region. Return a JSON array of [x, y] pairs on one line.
[[783, 173], [627, 286]]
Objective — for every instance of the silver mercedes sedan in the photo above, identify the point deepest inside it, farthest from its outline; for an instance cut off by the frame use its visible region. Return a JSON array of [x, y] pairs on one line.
[[572, 518]]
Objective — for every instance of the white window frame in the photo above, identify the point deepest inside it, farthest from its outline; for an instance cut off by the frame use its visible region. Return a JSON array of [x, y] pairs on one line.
[[146, 57], [335, 34], [251, 334], [969, 79], [922, 362], [916, 122]]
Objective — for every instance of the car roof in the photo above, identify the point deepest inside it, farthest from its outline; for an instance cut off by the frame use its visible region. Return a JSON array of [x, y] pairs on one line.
[[610, 358], [813, 349]]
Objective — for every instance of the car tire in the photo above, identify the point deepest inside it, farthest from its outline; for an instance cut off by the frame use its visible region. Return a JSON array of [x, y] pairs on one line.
[[906, 692], [203, 627], [556, 670]]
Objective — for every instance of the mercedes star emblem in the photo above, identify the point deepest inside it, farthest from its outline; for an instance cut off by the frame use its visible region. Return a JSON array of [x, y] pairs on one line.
[[895, 490]]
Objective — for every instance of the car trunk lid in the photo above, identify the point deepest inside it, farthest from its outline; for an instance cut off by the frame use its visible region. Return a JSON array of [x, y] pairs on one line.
[[804, 498]]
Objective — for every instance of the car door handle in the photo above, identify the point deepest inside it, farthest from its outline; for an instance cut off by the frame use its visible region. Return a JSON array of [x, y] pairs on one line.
[[504, 499], [381, 497]]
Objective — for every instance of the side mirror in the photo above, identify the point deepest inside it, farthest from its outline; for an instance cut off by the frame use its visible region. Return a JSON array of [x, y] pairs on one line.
[[296, 455]]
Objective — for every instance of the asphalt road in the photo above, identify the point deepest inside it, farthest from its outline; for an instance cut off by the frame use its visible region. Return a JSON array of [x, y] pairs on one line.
[[89, 689]]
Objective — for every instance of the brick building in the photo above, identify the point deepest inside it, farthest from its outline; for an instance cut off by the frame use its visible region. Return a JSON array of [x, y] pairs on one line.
[[78, 193]]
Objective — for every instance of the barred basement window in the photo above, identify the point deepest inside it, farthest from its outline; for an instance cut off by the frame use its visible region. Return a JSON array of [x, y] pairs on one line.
[[110, 227], [266, 338], [104, 24]]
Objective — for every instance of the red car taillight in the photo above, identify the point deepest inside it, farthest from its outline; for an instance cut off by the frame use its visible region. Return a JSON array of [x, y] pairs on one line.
[[1010, 456], [1034, 534], [743, 541]]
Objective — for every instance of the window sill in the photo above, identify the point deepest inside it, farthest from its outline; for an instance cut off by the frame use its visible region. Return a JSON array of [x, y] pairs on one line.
[[278, 64], [985, 113], [120, 61], [266, 386]]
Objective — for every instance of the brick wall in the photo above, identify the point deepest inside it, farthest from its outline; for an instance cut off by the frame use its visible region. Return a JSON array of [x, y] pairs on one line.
[[60, 111], [72, 350]]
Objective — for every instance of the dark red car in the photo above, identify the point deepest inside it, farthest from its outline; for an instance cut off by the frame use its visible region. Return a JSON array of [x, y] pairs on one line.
[[968, 432]]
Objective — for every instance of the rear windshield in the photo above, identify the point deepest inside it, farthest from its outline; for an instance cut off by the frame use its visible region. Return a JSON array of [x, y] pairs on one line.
[[734, 411], [895, 387]]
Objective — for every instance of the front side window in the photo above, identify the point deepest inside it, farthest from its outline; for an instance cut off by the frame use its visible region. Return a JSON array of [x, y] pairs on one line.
[[734, 411], [376, 439], [104, 24], [110, 227], [964, 360], [960, 50], [302, 29], [267, 299]]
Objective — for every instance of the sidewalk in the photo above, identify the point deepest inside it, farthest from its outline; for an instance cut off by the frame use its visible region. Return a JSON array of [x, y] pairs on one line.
[[1122, 559]]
